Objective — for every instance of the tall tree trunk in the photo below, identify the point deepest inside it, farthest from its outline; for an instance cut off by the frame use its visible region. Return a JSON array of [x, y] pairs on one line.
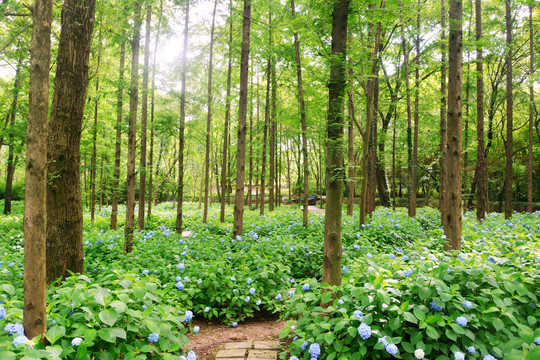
[[152, 131], [481, 178], [334, 165], [64, 204], [35, 209], [11, 163], [443, 149], [352, 169], [303, 122], [144, 119], [265, 133], [94, 138], [181, 142], [227, 119], [272, 128], [509, 113], [118, 142], [453, 223], [238, 226], [209, 118], [132, 134], [394, 193], [101, 184], [372, 148], [416, 114], [250, 181], [531, 112]]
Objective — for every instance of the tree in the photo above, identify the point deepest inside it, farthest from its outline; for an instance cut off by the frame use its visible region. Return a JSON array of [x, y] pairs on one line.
[[531, 113], [334, 163], [443, 144], [35, 210], [64, 202], [454, 216], [481, 178], [132, 134], [238, 225], [509, 113]]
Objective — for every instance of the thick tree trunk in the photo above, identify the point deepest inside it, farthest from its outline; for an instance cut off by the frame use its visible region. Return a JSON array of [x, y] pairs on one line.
[[64, 204], [531, 113], [480, 178], [509, 114], [238, 226], [118, 142], [303, 123], [144, 119], [35, 209], [209, 118], [180, 189], [132, 134], [226, 127], [453, 213], [443, 149], [334, 165]]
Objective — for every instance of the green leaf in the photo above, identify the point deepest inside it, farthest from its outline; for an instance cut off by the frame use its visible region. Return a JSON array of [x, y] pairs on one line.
[[284, 333], [419, 313], [432, 333], [424, 292], [410, 317], [90, 335], [326, 297], [55, 333], [108, 316], [119, 332], [10, 289], [119, 306], [533, 354], [498, 324], [329, 337], [81, 350], [7, 355], [352, 331], [101, 295], [147, 348], [139, 292], [107, 335]]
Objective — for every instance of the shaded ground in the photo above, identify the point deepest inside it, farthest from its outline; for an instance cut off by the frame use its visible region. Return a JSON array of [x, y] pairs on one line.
[[213, 335]]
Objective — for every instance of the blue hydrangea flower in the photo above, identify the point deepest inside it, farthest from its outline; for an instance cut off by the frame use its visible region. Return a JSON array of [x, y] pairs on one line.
[[179, 285], [293, 358], [345, 269], [153, 338], [76, 341], [364, 331], [233, 278], [537, 341], [259, 302], [467, 304], [278, 297], [196, 329], [252, 291], [458, 355], [356, 247], [383, 341], [2, 312], [369, 256], [305, 287], [315, 350], [189, 315], [21, 339], [249, 281], [405, 257], [304, 346], [178, 278], [14, 329], [461, 321], [340, 301], [145, 272], [206, 309], [191, 356], [435, 307], [247, 299], [181, 266], [391, 256], [471, 349], [234, 324], [407, 273], [358, 314], [489, 357], [391, 349]]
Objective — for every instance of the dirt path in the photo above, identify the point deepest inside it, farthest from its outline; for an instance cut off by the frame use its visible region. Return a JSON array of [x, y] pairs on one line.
[[315, 209], [213, 336]]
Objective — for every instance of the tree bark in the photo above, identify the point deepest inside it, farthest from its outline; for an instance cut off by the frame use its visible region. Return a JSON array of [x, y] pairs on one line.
[[94, 138], [453, 213], [531, 113], [271, 144], [144, 119], [209, 118], [480, 178], [303, 122], [337, 86], [181, 142], [265, 133], [64, 204], [509, 114], [351, 184], [35, 209], [118, 143], [238, 225], [132, 134], [416, 115], [443, 149], [227, 119]]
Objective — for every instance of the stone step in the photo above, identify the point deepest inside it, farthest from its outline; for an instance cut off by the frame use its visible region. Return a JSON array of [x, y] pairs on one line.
[[250, 350]]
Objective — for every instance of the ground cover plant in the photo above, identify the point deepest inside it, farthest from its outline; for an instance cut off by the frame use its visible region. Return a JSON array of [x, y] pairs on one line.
[[400, 297]]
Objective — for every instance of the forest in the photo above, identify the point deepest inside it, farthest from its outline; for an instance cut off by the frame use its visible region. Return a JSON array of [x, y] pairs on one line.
[[367, 170]]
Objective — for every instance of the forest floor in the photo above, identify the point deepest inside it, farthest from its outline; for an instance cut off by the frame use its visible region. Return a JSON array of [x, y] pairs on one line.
[[213, 335]]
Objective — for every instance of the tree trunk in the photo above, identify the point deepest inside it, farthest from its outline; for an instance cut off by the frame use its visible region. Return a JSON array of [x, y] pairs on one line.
[[11, 163], [132, 134], [265, 134], [227, 119], [94, 138], [416, 115], [480, 178], [209, 118], [334, 165], [250, 182], [118, 143], [64, 204], [352, 167], [509, 114], [303, 122], [238, 226], [453, 213], [443, 149], [144, 119], [101, 184], [394, 193], [181, 142], [372, 152], [272, 128], [35, 209], [531, 113]]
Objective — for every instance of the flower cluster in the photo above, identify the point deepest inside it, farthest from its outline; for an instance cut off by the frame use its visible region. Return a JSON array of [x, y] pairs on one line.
[[364, 331], [314, 350], [153, 338]]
